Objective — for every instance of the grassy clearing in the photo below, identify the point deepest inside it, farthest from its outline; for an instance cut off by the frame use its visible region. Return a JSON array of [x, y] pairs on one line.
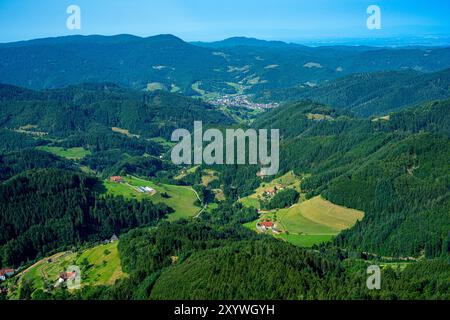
[[99, 265], [165, 143], [71, 154], [239, 88], [155, 86], [318, 117], [396, 265], [310, 222], [124, 132], [184, 173], [209, 176], [219, 194], [294, 221], [326, 213], [289, 180], [180, 198]]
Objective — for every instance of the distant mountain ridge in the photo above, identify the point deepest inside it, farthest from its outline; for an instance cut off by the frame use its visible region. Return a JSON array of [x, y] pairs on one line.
[[236, 65], [246, 42]]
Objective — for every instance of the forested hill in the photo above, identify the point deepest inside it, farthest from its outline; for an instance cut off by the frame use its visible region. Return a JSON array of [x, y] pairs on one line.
[[172, 64], [123, 59], [48, 209], [369, 94], [394, 169], [79, 108]]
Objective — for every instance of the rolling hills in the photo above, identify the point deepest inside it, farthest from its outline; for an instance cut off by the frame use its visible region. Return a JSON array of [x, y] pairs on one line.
[[394, 170], [83, 107], [165, 61], [370, 94], [367, 134]]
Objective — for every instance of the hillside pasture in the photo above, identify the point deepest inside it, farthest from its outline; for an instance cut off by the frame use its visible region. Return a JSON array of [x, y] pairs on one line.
[[289, 180], [71, 154], [310, 222], [180, 198], [99, 265]]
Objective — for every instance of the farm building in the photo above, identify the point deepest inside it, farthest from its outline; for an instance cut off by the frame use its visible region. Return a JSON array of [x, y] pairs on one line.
[[265, 225], [268, 224], [276, 231], [117, 179], [145, 189], [64, 276], [271, 192], [5, 273]]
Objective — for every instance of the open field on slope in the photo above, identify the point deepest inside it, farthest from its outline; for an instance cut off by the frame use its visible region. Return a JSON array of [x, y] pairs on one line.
[[180, 198], [331, 215], [310, 222], [99, 265], [71, 154], [209, 176], [184, 173], [289, 180]]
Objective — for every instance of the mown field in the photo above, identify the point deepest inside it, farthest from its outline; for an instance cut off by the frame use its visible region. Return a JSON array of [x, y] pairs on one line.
[[71, 154], [99, 265], [311, 222], [179, 198]]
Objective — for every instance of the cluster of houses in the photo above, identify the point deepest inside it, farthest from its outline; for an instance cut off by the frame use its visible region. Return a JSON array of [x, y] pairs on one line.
[[6, 273], [267, 225], [242, 101]]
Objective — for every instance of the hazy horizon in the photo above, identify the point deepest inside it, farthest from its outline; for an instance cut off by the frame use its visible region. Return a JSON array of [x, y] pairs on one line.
[[431, 41], [320, 22]]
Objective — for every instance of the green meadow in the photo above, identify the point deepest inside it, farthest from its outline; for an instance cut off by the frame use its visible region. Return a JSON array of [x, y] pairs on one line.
[[180, 198], [310, 222], [289, 180], [99, 265], [71, 154]]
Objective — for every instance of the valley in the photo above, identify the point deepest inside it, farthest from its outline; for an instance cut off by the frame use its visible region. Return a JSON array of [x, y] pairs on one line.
[[87, 179]]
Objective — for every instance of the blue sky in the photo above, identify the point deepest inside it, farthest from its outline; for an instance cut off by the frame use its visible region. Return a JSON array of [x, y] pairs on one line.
[[207, 20]]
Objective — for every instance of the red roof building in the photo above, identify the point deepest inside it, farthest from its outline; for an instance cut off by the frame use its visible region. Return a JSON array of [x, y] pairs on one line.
[[116, 179], [6, 272], [267, 224]]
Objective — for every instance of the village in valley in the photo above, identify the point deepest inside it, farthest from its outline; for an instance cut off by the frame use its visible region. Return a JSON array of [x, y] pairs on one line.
[[242, 100]]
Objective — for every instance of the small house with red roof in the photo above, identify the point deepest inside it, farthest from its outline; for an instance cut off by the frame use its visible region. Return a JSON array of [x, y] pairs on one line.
[[116, 179], [265, 225], [5, 273]]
